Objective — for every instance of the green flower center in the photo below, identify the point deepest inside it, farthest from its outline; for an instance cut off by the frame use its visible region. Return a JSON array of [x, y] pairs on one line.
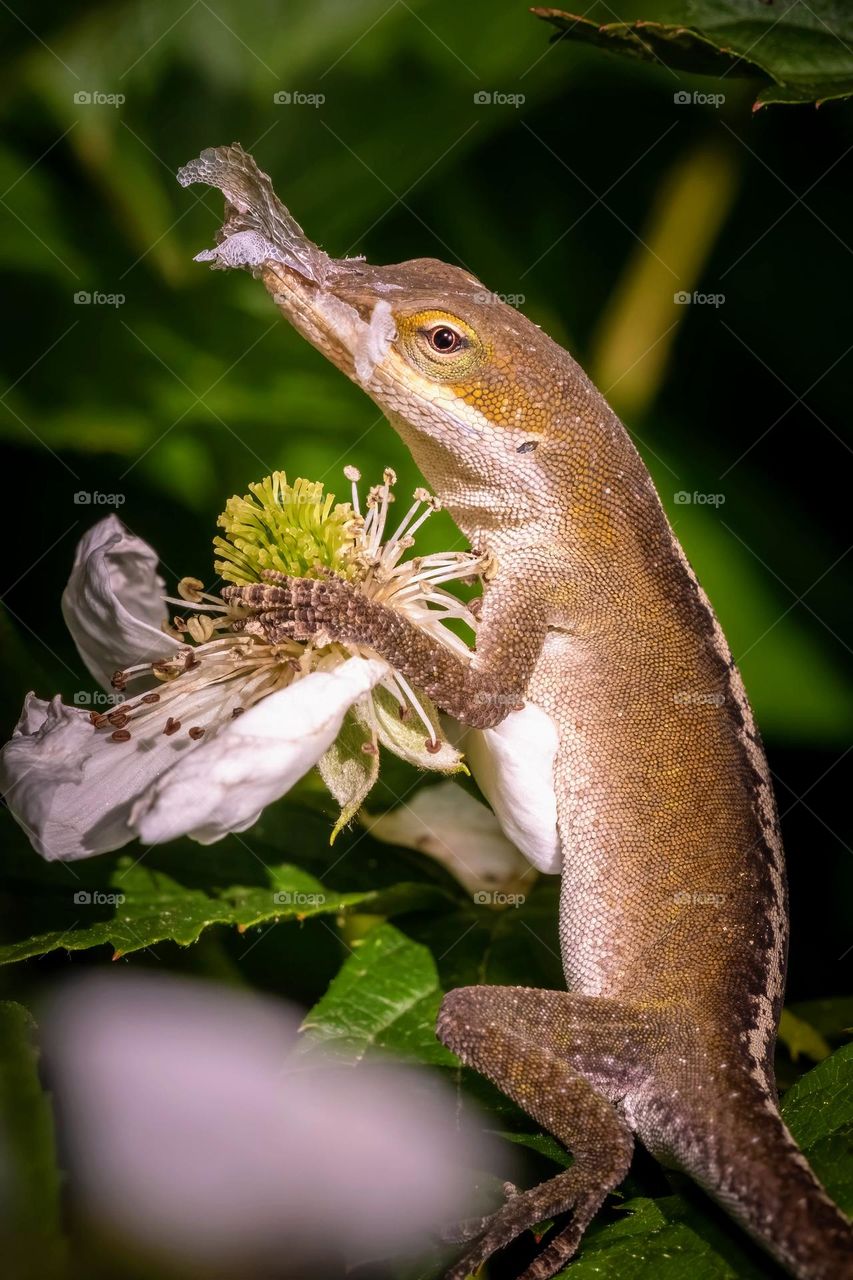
[[294, 529]]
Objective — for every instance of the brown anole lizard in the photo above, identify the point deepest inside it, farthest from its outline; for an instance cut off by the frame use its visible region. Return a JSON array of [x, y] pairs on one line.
[[673, 916]]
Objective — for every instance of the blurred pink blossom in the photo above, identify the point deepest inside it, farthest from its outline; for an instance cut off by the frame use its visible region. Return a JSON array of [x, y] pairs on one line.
[[193, 1127]]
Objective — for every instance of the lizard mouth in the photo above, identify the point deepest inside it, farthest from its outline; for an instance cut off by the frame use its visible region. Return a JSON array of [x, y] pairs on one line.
[[334, 303]]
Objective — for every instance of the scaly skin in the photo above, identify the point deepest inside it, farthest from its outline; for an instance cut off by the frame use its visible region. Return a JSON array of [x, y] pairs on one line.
[[673, 919]]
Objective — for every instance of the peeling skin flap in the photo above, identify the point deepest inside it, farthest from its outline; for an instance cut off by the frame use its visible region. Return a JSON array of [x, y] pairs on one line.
[[258, 230], [257, 227], [367, 343]]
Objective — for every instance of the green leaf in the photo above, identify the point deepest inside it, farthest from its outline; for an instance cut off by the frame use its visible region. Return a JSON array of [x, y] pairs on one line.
[[386, 996], [800, 1037], [832, 1018], [31, 1179], [803, 54], [818, 1110], [171, 895], [665, 1238], [542, 1143]]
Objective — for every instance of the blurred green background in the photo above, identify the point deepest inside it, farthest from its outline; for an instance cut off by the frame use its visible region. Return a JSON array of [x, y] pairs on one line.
[[572, 181]]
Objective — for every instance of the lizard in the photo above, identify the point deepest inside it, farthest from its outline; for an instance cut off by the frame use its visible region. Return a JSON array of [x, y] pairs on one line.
[[673, 916]]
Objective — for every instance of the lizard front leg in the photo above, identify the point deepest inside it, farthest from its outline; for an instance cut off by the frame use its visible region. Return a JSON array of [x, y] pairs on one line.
[[478, 693]]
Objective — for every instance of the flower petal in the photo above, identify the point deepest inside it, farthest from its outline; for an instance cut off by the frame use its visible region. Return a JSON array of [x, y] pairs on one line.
[[226, 783], [113, 603], [447, 823], [194, 1132], [513, 765], [70, 787]]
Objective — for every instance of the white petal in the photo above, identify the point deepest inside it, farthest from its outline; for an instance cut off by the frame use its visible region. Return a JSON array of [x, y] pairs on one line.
[[226, 784], [192, 1129], [447, 823], [113, 603], [514, 768], [70, 788]]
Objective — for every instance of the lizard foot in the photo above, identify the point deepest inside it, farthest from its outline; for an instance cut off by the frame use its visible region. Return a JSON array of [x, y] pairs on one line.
[[525, 1210], [470, 1228]]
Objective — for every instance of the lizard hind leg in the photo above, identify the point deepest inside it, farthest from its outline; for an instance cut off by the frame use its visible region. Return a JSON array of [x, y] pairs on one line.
[[562, 1058]]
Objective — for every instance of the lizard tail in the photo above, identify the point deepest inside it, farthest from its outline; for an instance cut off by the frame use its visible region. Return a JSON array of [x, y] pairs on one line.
[[755, 1170]]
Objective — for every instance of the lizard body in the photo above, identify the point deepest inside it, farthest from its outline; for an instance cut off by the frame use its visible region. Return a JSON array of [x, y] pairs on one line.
[[673, 916]]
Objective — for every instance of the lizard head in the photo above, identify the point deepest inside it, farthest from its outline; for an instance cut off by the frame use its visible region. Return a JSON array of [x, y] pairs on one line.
[[478, 392]]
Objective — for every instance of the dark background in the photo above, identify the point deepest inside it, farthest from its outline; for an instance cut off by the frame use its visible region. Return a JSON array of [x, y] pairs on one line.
[[597, 198]]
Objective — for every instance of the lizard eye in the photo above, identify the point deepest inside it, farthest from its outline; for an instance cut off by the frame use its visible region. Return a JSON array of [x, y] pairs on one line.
[[444, 339]]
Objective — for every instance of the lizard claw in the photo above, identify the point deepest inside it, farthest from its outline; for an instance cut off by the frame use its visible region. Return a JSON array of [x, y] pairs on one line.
[[470, 1228]]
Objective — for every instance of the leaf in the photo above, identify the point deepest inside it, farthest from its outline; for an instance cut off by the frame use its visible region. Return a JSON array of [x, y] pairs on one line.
[[31, 1179], [172, 895], [542, 1143], [818, 1110], [803, 54], [800, 1037], [832, 1018], [385, 996], [665, 1238]]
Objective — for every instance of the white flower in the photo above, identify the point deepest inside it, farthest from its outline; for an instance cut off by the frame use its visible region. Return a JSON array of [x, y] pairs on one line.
[[218, 723], [195, 1129], [513, 765], [460, 833], [226, 723]]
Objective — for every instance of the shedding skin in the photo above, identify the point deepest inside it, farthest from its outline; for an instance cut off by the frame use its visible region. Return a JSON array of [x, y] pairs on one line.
[[673, 916]]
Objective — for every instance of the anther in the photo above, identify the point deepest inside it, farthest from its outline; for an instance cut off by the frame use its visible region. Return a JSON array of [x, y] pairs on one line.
[[171, 726], [119, 680], [190, 589], [120, 735], [238, 711], [150, 698], [201, 628], [196, 732]]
